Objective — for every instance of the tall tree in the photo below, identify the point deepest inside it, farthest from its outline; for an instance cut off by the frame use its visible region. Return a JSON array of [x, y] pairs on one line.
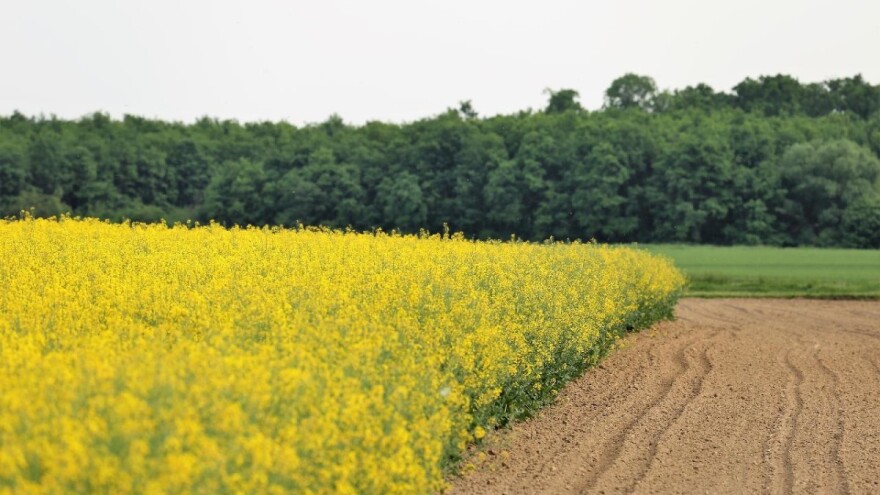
[[822, 180], [598, 197], [854, 94], [13, 172], [323, 192], [563, 100], [631, 91], [402, 203], [772, 95], [235, 194]]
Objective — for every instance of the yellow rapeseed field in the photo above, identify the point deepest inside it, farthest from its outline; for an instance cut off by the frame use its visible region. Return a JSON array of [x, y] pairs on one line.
[[147, 359]]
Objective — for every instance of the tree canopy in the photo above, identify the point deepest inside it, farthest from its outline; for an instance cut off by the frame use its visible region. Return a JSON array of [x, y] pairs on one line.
[[774, 162]]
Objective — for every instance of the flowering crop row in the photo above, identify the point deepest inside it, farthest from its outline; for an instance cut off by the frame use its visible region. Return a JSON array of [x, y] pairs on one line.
[[148, 359]]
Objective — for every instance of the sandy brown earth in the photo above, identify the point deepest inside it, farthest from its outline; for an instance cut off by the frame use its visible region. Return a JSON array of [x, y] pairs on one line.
[[736, 396]]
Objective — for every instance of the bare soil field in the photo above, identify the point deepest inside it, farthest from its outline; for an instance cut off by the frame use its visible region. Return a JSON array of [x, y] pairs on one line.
[[736, 396]]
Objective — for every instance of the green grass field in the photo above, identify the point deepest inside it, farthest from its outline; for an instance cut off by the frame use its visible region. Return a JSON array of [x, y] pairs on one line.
[[715, 271]]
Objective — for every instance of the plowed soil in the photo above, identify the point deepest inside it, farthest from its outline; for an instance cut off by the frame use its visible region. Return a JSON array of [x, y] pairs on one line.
[[736, 396]]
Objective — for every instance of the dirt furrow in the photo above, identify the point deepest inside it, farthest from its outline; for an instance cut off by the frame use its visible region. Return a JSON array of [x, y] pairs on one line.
[[736, 396], [705, 365], [618, 442], [840, 427], [783, 467], [657, 418], [598, 402]]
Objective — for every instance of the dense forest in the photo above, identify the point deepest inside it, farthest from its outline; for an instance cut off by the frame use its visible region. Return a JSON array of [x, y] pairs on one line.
[[774, 162]]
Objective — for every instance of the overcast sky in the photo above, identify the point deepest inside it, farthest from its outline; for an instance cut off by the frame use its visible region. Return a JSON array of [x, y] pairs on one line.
[[403, 60]]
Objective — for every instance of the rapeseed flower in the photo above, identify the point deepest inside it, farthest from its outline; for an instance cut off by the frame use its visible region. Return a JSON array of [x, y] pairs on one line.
[[154, 359]]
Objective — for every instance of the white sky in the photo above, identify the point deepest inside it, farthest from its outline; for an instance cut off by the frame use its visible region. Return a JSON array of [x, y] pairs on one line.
[[398, 60]]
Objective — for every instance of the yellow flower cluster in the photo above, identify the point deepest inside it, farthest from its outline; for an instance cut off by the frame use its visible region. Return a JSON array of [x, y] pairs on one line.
[[150, 359]]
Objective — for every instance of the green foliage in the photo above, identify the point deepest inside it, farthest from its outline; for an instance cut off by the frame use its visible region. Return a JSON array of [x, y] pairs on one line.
[[235, 194], [39, 204], [693, 189], [785, 95], [772, 95], [701, 97], [598, 195], [823, 180], [323, 192], [13, 170], [775, 162], [631, 91], [402, 202], [562, 101], [861, 221]]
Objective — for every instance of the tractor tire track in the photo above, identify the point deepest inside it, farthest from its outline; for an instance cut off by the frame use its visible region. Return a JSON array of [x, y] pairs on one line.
[[782, 440], [666, 401], [840, 429], [705, 365]]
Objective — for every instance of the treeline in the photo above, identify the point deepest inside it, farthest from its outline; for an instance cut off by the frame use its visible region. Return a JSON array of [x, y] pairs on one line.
[[773, 162]]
